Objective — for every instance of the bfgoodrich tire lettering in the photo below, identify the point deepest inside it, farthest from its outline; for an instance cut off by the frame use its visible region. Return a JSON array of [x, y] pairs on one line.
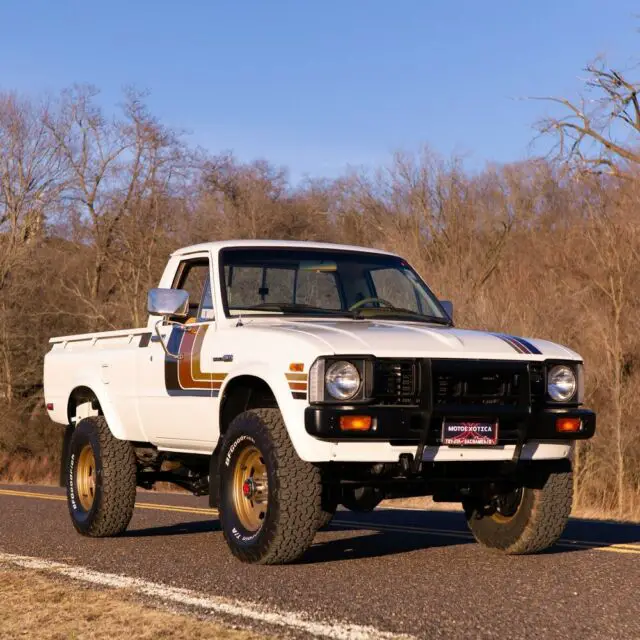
[[107, 509], [293, 509], [537, 523]]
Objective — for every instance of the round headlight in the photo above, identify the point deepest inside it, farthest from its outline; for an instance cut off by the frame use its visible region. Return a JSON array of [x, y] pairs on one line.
[[561, 383], [342, 380]]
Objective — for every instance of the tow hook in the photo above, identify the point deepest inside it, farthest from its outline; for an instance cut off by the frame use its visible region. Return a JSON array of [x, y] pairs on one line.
[[406, 464]]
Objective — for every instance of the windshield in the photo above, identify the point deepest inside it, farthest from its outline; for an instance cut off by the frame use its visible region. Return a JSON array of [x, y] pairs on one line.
[[265, 281]]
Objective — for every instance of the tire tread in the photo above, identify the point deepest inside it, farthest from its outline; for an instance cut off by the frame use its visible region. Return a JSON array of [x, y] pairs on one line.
[[118, 482], [297, 496], [549, 509]]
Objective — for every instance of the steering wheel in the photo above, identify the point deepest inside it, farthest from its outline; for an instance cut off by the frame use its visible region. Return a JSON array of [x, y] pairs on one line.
[[364, 301]]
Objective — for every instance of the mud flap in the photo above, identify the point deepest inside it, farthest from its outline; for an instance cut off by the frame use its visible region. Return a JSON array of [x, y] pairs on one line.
[[64, 456], [214, 480]]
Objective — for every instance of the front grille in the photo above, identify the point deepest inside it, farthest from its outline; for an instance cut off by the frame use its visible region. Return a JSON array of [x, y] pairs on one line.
[[396, 382], [478, 383], [537, 373], [459, 384]]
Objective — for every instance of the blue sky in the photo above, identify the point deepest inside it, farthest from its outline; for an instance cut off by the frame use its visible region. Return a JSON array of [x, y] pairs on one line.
[[319, 85]]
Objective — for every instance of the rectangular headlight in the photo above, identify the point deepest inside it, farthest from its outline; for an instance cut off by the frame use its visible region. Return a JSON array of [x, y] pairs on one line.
[[322, 367], [564, 382]]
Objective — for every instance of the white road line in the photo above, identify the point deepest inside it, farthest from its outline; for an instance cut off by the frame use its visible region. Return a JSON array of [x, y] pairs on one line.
[[207, 603]]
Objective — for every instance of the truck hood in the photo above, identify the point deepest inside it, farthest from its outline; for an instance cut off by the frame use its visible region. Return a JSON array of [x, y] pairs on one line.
[[408, 339]]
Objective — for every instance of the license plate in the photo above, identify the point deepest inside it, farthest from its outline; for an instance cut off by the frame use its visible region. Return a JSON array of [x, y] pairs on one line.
[[467, 433]]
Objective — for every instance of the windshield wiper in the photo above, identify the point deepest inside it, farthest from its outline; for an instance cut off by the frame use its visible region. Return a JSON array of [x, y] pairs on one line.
[[400, 312], [294, 307]]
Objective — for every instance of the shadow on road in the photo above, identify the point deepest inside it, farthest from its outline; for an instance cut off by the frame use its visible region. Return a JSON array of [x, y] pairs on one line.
[[586, 533], [181, 529], [374, 545], [395, 531]]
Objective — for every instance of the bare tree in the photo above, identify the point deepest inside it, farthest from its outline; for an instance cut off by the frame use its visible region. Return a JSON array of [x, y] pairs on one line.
[[32, 176], [600, 131], [118, 167]]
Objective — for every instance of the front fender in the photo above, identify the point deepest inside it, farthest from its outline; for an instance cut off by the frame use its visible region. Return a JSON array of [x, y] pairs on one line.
[[292, 409]]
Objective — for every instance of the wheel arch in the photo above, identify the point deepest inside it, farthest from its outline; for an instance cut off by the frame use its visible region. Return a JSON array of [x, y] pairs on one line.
[[85, 401], [82, 403], [241, 393]]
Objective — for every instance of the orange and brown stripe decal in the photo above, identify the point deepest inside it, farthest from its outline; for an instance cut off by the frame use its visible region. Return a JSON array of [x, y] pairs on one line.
[[298, 383], [185, 376]]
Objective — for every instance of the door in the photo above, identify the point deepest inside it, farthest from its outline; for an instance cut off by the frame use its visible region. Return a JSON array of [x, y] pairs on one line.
[[176, 394]]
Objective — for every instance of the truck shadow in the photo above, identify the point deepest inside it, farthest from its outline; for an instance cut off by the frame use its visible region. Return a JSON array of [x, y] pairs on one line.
[[395, 531], [181, 529], [372, 544]]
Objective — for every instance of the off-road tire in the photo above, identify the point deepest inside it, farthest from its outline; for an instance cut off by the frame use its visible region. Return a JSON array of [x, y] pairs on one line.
[[115, 480], [294, 492], [537, 524]]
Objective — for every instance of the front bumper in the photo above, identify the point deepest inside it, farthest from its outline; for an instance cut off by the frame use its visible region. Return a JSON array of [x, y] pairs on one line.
[[401, 426]]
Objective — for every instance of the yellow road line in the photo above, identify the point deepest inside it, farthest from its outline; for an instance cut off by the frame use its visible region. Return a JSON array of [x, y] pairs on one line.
[[596, 546], [170, 507], [622, 547], [30, 494], [139, 505], [590, 543], [584, 544], [628, 545], [616, 549]]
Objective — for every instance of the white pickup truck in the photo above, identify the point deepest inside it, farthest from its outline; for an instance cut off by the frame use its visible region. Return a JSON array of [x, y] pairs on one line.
[[284, 379]]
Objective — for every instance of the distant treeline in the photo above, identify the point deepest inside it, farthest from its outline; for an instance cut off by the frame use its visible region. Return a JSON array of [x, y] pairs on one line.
[[92, 204]]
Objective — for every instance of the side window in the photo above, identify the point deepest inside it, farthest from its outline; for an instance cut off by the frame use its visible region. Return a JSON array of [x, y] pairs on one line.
[[392, 285], [193, 277], [206, 304]]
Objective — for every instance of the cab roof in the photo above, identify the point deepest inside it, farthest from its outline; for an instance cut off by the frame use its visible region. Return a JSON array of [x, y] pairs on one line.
[[284, 244]]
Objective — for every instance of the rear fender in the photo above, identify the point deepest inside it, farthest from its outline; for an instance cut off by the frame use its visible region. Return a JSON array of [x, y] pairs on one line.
[[101, 405]]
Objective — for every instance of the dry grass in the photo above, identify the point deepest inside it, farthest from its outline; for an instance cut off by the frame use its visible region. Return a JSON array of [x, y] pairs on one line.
[[425, 503], [589, 513], [593, 513], [20, 469], [38, 606]]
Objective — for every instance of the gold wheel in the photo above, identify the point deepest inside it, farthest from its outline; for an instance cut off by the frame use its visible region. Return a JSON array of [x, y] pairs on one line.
[[86, 477], [250, 488], [507, 506]]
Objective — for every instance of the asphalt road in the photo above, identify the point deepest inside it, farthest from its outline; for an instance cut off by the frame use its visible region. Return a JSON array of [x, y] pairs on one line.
[[399, 571]]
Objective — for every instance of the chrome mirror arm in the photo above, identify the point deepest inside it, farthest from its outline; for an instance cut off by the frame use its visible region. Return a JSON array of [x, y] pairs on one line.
[[176, 356]]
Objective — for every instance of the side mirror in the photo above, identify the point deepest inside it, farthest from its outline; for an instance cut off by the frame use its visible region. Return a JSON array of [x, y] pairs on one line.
[[447, 305], [168, 302]]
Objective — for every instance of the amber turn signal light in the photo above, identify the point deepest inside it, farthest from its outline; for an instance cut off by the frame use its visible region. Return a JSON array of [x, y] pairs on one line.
[[355, 423], [296, 366], [568, 425]]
